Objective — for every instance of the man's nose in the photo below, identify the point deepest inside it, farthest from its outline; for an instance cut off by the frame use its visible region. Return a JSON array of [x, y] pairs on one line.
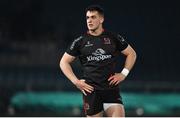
[[89, 20]]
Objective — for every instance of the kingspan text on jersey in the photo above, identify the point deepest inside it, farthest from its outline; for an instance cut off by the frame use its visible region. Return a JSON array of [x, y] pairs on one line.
[[98, 58]]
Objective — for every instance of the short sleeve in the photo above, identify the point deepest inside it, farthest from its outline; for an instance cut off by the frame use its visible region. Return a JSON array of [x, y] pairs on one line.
[[74, 48], [121, 43]]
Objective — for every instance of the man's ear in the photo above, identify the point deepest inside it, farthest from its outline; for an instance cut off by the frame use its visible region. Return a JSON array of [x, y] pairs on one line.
[[102, 19]]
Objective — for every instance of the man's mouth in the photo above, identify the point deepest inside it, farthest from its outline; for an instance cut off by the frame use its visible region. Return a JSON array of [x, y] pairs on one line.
[[90, 25]]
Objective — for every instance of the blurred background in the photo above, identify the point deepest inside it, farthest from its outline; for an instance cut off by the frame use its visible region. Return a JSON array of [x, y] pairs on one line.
[[35, 33]]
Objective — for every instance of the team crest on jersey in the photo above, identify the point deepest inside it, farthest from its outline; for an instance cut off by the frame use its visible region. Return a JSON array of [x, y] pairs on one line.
[[107, 41], [88, 44]]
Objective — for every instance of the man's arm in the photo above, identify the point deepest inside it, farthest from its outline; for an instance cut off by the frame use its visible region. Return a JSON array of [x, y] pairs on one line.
[[67, 70], [129, 63], [130, 57]]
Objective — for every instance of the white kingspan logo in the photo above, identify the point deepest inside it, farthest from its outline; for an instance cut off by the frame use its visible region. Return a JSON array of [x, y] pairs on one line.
[[98, 55]]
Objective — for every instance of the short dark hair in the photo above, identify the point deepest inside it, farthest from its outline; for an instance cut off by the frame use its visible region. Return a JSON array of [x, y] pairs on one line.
[[97, 8]]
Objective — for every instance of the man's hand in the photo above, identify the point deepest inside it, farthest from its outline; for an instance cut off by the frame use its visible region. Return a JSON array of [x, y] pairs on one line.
[[116, 79], [80, 84]]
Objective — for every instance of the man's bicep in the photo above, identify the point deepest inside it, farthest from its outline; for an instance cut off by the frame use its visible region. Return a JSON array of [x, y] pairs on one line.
[[128, 50], [68, 58]]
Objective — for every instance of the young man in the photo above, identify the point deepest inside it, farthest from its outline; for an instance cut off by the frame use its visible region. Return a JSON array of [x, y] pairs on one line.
[[98, 51]]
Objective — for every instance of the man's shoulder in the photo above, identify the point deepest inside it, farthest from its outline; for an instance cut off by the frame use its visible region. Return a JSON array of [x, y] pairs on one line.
[[111, 33], [81, 36]]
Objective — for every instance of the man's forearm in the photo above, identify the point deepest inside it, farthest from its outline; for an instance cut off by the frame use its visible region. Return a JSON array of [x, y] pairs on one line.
[[130, 60], [129, 63], [67, 70]]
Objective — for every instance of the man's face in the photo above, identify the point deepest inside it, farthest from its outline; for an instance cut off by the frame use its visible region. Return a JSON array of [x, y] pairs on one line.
[[94, 20]]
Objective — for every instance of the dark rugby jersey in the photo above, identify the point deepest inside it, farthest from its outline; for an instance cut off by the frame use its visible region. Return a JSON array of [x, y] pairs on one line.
[[98, 56]]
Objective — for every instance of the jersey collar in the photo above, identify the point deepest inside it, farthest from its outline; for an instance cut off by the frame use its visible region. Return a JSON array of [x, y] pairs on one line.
[[93, 35]]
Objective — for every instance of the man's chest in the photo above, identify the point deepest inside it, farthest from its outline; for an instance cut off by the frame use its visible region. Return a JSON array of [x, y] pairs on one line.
[[98, 46]]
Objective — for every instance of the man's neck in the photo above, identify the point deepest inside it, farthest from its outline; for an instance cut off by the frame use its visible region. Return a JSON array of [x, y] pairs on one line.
[[96, 32]]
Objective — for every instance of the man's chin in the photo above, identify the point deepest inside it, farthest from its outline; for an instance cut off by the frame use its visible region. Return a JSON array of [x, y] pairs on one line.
[[91, 29]]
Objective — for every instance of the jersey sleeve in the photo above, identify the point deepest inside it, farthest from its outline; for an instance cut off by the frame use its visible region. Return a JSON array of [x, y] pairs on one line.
[[74, 48], [121, 43]]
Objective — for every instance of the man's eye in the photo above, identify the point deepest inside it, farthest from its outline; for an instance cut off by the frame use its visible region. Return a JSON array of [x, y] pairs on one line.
[[93, 17]]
